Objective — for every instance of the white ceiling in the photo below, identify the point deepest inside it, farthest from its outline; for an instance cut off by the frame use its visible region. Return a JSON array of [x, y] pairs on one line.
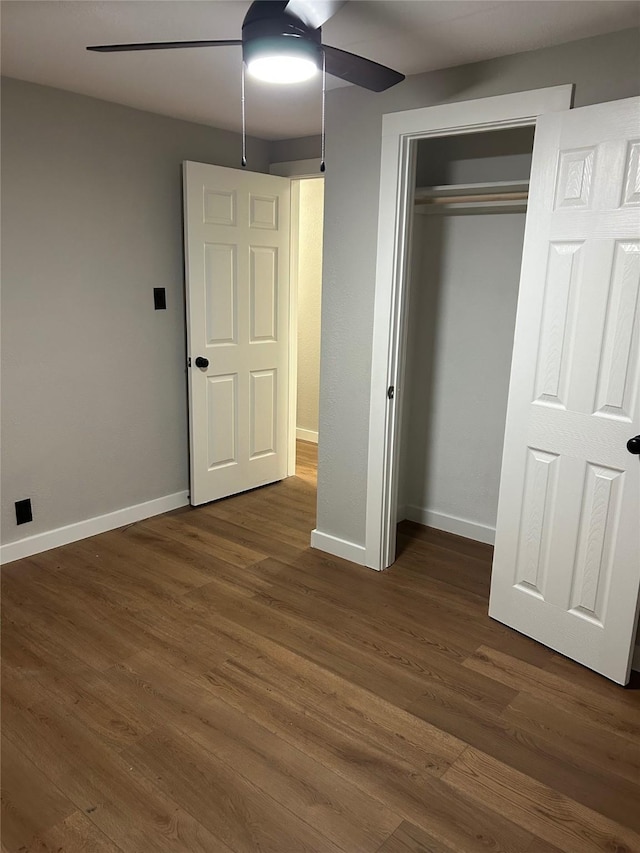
[[44, 42]]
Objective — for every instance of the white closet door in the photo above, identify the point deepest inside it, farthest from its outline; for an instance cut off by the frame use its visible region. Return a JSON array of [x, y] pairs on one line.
[[567, 559]]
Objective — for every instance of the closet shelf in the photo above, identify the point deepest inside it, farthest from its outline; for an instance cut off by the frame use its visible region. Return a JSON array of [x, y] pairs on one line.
[[507, 196]]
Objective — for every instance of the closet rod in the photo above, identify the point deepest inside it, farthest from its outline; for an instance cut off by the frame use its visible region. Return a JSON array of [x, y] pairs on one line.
[[467, 199], [500, 193]]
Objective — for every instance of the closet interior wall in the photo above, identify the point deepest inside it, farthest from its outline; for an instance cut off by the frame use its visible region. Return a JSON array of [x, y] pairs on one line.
[[465, 271]]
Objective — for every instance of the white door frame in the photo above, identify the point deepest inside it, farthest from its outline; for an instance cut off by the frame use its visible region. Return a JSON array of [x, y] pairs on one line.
[[397, 178], [297, 170]]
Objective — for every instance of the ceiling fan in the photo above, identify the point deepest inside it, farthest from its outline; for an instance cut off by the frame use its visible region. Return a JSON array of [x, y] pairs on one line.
[[282, 43]]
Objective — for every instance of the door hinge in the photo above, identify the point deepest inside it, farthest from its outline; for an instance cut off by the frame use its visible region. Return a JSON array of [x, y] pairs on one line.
[[390, 392]]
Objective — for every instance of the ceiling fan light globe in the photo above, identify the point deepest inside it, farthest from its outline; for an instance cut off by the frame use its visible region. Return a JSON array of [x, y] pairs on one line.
[[282, 69], [282, 58]]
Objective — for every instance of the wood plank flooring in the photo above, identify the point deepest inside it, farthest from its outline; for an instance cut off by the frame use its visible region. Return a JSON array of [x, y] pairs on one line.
[[204, 681]]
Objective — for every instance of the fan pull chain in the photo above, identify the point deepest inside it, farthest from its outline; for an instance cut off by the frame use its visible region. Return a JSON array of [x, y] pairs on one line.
[[324, 93], [244, 125]]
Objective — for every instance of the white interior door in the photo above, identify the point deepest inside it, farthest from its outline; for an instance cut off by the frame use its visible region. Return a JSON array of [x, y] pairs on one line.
[[237, 282], [567, 558]]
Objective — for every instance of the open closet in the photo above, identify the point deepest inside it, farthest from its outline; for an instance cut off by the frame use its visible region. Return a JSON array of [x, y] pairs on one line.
[[530, 426], [467, 237]]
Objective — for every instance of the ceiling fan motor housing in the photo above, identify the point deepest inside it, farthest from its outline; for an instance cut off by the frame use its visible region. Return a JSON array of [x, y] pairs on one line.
[[267, 28]]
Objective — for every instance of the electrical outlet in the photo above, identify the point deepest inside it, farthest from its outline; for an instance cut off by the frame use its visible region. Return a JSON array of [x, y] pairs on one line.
[[23, 511], [159, 298]]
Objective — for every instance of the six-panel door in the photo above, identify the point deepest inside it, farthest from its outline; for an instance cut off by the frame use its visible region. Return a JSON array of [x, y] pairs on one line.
[[567, 557], [237, 262]]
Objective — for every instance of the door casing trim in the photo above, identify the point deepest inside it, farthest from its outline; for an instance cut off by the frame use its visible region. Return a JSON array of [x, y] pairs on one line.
[[397, 179]]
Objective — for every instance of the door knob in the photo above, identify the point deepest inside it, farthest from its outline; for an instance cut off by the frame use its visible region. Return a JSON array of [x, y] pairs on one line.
[[633, 445], [204, 362]]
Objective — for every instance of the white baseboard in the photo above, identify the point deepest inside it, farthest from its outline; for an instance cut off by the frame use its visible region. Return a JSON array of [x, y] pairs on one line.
[[338, 547], [449, 523], [307, 435], [92, 526]]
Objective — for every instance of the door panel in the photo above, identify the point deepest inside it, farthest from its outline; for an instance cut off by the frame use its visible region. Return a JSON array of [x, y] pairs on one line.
[[237, 259], [222, 405], [264, 294], [221, 298], [263, 412], [567, 558], [619, 369]]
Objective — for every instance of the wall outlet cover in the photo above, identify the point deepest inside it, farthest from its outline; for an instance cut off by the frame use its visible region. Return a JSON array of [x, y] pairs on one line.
[[24, 513]]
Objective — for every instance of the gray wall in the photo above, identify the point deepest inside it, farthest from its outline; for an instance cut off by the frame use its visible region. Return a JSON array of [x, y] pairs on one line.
[[303, 148], [461, 325], [94, 411], [500, 155], [604, 68]]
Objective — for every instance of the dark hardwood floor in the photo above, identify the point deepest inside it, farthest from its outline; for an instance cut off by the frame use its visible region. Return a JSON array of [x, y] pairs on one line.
[[204, 681]]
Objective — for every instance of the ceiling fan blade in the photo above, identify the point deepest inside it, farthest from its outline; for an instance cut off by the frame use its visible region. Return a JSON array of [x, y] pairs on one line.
[[356, 69], [313, 13], [162, 45]]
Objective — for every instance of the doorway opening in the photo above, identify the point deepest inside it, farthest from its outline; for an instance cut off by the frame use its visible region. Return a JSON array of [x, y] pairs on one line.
[[467, 232], [307, 212], [400, 133]]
